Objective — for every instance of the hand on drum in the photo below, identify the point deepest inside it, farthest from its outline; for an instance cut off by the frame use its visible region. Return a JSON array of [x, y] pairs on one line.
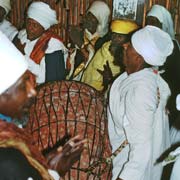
[[66, 156]]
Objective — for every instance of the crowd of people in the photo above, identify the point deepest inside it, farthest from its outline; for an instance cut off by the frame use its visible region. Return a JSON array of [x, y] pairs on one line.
[[135, 69]]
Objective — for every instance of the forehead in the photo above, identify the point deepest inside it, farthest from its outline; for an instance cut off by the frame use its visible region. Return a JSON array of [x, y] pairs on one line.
[[90, 17]]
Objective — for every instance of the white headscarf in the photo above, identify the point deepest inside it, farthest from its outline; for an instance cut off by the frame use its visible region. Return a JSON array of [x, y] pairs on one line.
[[102, 12], [153, 44], [43, 14], [6, 4], [12, 63], [178, 102], [163, 15]]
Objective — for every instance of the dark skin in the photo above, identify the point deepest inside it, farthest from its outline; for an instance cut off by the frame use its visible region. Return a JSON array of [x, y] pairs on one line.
[[116, 47], [90, 22], [153, 21], [13, 103], [2, 13], [34, 29]]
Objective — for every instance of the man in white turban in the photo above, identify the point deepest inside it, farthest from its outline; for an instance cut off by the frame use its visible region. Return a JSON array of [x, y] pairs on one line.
[[44, 51], [136, 112], [15, 92], [160, 17], [5, 26]]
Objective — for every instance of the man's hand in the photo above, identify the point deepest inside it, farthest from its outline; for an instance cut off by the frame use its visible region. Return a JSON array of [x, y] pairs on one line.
[[106, 74], [66, 156]]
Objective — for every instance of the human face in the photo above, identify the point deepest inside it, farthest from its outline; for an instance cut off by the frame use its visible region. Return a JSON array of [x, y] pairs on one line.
[[34, 29], [2, 13], [90, 22], [116, 41], [15, 101], [153, 21], [132, 61]]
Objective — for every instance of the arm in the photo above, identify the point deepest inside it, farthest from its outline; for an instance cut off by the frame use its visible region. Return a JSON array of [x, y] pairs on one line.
[[139, 117]]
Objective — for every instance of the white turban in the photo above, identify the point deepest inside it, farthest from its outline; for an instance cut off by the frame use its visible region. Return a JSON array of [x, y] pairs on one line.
[[163, 15], [43, 14], [6, 4], [12, 63], [153, 44], [178, 102], [102, 12]]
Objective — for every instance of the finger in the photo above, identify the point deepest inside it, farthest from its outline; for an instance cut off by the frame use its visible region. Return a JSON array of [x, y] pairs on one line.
[[99, 71], [107, 64]]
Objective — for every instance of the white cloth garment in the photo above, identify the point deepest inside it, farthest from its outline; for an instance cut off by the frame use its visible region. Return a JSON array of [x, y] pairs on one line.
[[12, 63], [6, 4], [8, 29], [43, 14], [102, 12], [164, 16], [137, 114], [39, 69], [158, 45]]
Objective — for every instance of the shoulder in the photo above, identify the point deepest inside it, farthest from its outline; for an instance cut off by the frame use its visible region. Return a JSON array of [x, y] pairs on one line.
[[55, 45]]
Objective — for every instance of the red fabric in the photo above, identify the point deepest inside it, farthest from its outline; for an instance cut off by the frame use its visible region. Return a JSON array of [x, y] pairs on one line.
[[39, 49]]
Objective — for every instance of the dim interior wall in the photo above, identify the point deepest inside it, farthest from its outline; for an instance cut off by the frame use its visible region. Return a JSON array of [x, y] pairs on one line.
[[69, 12]]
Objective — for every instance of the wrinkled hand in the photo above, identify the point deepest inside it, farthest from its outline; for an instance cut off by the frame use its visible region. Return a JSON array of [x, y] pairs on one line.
[[66, 156], [107, 74]]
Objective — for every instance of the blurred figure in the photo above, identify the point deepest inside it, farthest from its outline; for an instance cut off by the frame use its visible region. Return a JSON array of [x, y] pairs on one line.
[[15, 92], [136, 112], [109, 56], [44, 51], [5, 26], [160, 17], [88, 38]]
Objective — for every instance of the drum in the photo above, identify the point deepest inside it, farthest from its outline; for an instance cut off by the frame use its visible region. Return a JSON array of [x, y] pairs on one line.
[[67, 108]]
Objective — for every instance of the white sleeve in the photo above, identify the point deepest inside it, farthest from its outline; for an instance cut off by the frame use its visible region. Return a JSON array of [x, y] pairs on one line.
[[37, 69], [140, 109]]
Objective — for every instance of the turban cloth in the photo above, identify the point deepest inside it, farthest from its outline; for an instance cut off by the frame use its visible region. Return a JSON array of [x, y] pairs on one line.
[[163, 15], [123, 26], [6, 4], [12, 63], [43, 14], [178, 102], [102, 12], [153, 44]]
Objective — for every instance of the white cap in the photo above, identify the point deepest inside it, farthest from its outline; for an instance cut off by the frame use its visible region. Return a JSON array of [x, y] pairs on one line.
[[12, 63], [6, 4], [153, 44], [43, 14]]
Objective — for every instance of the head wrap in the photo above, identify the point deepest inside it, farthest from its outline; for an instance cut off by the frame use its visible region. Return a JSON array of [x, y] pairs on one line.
[[153, 44], [12, 63], [43, 14], [178, 102], [102, 12], [6, 4], [163, 15], [123, 26]]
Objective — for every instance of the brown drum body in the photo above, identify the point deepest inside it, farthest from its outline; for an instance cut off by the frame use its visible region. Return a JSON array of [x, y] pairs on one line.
[[71, 108]]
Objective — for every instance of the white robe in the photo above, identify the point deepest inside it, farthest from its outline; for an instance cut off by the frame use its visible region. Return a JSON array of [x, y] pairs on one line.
[[136, 114], [8, 29], [40, 69]]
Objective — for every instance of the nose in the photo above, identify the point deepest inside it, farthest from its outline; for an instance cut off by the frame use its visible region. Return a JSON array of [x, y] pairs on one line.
[[31, 92]]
